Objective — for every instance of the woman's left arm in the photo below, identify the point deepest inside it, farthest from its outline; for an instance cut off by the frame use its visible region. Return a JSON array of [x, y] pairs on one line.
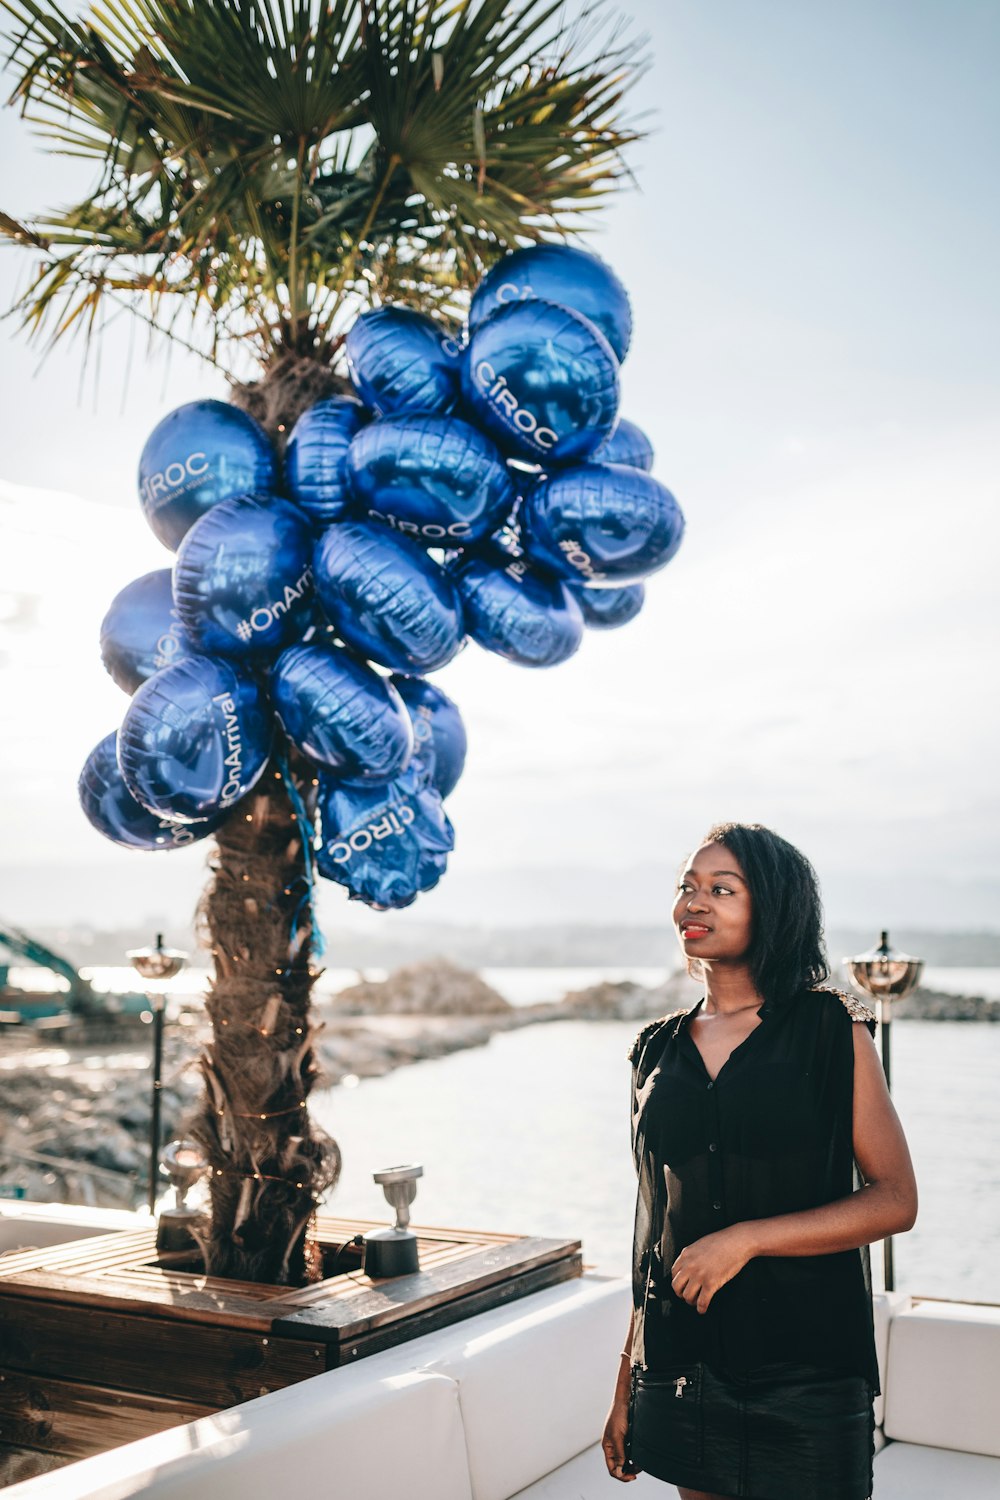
[[886, 1204]]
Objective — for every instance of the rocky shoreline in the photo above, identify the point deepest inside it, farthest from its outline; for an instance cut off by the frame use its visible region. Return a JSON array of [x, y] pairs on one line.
[[938, 1005], [74, 1116]]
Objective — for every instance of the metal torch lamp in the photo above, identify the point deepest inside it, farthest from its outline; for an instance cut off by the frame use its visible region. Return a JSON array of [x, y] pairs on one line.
[[393, 1252], [184, 1162], [885, 975], [156, 965]]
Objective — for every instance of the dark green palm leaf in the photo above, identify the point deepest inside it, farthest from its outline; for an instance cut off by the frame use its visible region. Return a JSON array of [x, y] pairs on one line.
[[279, 164]]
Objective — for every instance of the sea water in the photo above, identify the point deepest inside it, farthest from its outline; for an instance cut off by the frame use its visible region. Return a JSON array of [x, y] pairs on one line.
[[529, 1135]]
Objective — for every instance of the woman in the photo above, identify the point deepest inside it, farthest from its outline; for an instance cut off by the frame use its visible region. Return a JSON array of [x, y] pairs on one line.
[[749, 1365]]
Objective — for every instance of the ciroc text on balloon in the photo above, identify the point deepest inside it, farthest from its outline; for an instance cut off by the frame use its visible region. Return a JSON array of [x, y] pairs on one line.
[[362, 838], [173, 480], [495, 387]]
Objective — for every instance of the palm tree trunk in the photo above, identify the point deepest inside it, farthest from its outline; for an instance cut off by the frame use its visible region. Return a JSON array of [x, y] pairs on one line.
[[270, 1165], [293, 383]]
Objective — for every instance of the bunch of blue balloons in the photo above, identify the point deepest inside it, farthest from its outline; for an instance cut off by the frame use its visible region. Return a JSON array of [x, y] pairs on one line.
[[481, 489]]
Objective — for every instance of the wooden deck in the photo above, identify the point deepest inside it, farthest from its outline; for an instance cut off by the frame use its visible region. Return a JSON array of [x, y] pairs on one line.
[[103, 1340]]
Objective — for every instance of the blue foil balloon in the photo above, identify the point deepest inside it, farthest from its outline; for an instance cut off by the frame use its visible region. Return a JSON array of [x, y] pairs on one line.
[[199, 455], [542, 381], [435, 479], [385, 843], [606, 609], [142, 632], [110, 807], [315, 474], [386, 598], [528, 617], [341, 713], [563, 274], [243, 578], [628, 444], [439, 734], [402, 361], [601, 524], [195, 739]]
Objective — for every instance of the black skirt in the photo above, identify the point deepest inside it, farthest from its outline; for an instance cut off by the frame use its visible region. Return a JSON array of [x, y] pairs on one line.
[[779, 1432]]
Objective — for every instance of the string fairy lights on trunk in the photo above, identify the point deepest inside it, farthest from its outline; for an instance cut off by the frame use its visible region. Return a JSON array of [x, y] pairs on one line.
[[270, 1166]]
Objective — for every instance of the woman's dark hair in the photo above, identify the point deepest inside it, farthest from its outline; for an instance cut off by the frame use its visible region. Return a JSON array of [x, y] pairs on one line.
[[786, 951]]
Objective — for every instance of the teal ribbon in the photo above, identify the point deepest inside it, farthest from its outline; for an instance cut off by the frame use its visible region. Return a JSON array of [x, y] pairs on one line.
[[306, 835]]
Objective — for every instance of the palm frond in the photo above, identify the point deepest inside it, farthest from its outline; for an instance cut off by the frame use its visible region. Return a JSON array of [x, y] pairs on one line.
[[275, 165]]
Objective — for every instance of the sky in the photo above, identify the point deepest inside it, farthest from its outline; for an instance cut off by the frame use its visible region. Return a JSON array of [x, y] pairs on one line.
[[810, 253]]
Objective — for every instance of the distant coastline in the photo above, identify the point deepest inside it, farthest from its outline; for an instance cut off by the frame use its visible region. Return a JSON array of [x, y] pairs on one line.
[[438, 986], [564, 945], [74, 1115]]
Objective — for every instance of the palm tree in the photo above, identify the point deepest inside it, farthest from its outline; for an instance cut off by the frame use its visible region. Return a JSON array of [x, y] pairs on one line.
[[266, 169]]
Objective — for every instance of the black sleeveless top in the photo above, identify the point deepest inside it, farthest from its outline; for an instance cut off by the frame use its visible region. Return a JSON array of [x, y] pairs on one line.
[[772, 1135]]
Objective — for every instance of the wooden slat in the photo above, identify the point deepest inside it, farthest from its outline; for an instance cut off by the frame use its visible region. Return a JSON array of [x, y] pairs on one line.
[[77, 1419], [347, 1283], [140, 1245], [343, 1318], [210, 1365], [100, 1250], [130, 1253], [121, 1271], [104, 1251], [384, 1300], [124, 1279], [179, 1283], [129, 1245], [116, 1240], [431, 1253], [164, 1286], [188, 1306]]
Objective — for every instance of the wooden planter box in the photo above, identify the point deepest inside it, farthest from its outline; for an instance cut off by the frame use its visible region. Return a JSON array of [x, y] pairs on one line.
[[103, 1341]]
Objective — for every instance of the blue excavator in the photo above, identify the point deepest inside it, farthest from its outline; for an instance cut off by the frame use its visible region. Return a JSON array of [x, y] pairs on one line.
[[80, 1001]]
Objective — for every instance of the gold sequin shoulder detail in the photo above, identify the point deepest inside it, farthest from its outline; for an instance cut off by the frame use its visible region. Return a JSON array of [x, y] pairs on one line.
[[856, 1008], [635, 1050]]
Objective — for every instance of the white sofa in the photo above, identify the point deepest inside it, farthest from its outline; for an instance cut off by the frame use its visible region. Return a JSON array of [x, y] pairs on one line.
[[476, 1411], [938, 1419], [510, 1404], [942, 1403]]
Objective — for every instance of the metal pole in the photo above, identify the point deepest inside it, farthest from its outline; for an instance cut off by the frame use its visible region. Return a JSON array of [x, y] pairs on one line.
[[158, 1005], [885, 1007], [885, 1029], [886, 976]]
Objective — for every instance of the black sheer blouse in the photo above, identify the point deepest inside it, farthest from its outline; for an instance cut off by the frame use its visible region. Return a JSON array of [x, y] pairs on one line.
[[771, 1135]]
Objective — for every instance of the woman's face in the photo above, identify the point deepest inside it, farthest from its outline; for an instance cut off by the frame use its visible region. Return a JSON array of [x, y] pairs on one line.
[[712, 912]]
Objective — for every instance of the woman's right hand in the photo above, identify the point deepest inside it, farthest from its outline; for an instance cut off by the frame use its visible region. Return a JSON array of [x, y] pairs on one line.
[[613, 1442]]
